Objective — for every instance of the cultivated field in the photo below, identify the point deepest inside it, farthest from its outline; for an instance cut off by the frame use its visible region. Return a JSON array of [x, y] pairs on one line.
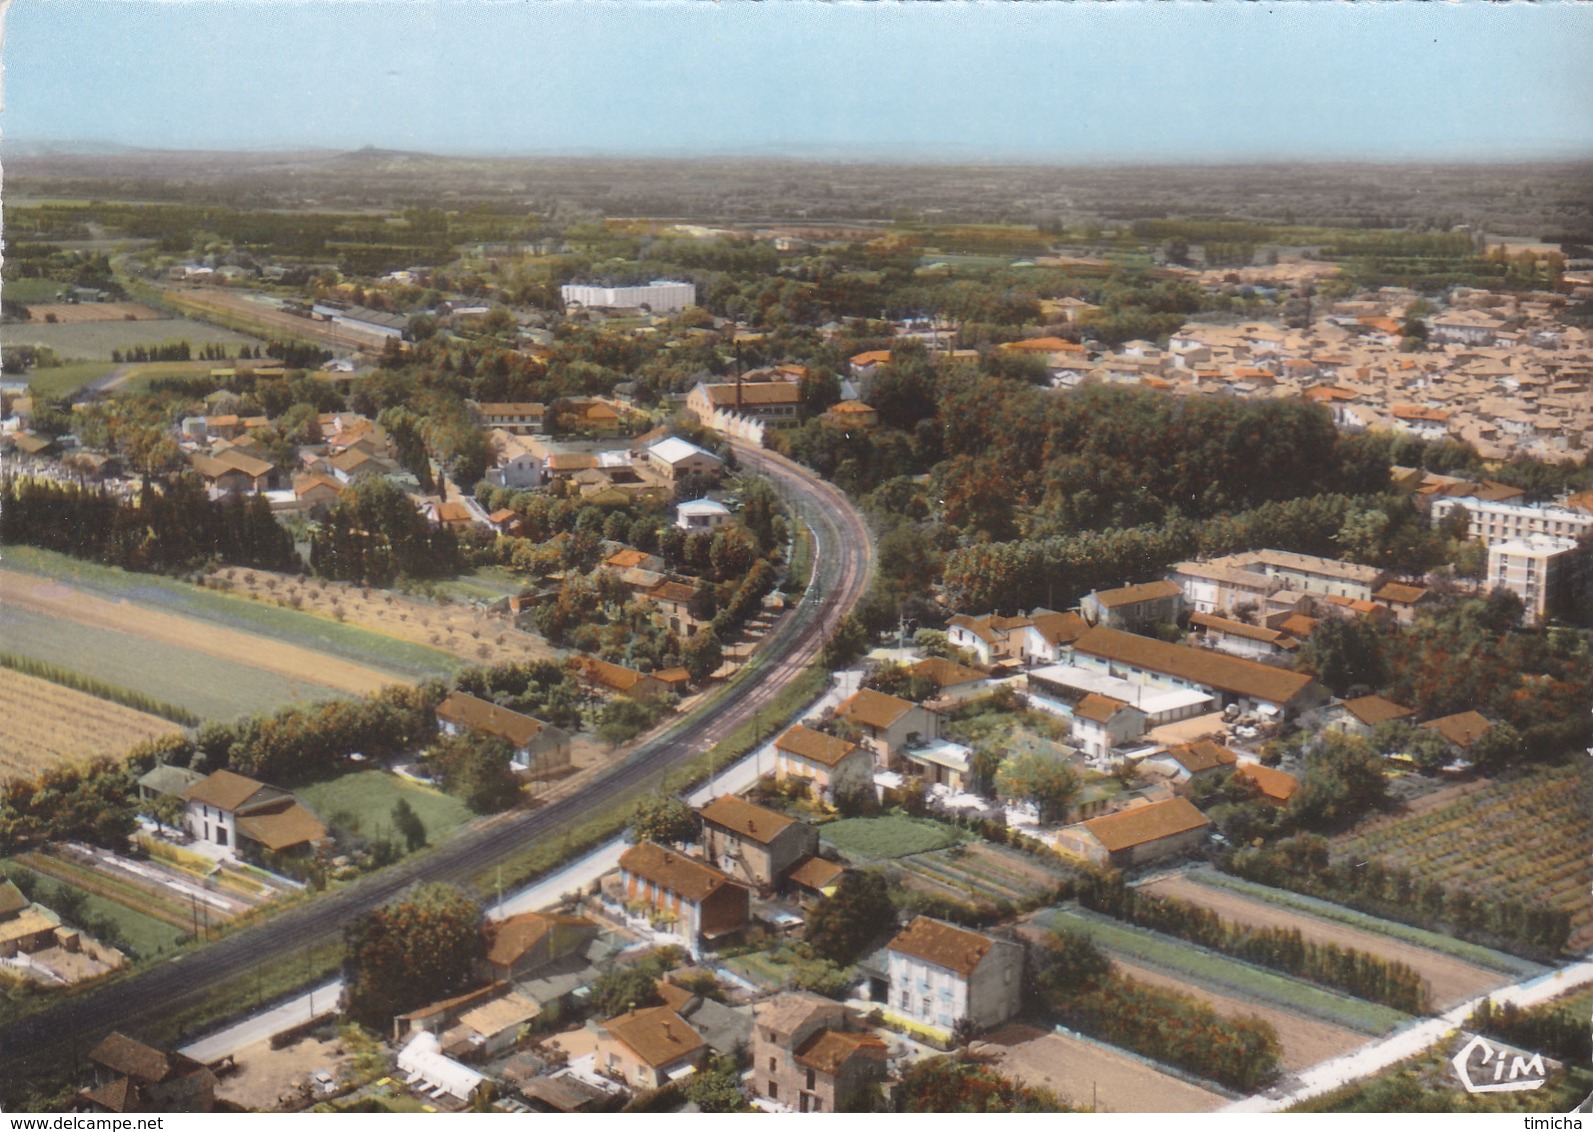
[[466, 632], [1305, 1041], [1451, 980], [1528, 838], [73, 313], [978, 874], [208, 686], [306, 630], [68, 603], [1084, 1073], [1199, 969], [94, 341], [47, 725]]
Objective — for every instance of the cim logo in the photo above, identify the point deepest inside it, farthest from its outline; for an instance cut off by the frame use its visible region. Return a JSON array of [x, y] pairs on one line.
[[1490, 1067]]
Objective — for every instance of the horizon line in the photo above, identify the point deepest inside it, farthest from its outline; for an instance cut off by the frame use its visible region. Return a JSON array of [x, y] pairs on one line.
[[23, 149]]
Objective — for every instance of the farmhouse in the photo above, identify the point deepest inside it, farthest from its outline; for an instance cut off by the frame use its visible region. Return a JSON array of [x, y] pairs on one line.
[[1274, 787], [833, 766], [704, 904], [617, 678], [940, 974], [540, 749], [1359, 715], [753, 844], [888, 724], [1134, 607], [1139, 835], [810, 1055], [1461, 730], [130, 1076], [701, 515], [244, 818]]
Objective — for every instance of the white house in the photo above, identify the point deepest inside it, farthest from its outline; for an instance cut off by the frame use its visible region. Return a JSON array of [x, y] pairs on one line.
[[940, 974], [701, 515], [242, 816]]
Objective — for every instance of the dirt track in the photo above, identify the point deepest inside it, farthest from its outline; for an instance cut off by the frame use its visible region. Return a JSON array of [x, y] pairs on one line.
[[1452, 981], [1305, 1041], [56, 599], [1079, 1072]]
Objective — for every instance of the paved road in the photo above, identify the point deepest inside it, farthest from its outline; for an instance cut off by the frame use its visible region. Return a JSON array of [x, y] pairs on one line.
[[843, 565]]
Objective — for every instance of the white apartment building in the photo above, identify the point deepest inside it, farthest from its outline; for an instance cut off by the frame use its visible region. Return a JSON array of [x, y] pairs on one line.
[[1494, 523], [659, 296], [1546, 573]]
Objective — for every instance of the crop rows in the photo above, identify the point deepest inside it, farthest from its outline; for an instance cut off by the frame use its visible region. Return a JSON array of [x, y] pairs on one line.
[[1528, 838], [47, 725]]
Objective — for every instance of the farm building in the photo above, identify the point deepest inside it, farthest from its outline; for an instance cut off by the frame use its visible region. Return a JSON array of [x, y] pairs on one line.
[[1139, 835], [1276, 787], [674, 458], [130, 1076], [1134, 607], [701, 515], [244, 818], [540, 749], [1462, 729], [617, 678]]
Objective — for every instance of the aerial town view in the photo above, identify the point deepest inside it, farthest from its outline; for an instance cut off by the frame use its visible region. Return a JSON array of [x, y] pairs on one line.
[[796, 559]]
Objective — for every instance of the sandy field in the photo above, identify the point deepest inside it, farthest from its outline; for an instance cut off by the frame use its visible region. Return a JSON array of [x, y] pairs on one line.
[[56, 599], [1452, 981], [1082, 1073], [91, 312], [1305, 1041], [264, 1074]]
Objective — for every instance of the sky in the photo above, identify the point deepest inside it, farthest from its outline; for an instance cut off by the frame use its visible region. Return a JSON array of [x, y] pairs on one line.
[[1085, 81]]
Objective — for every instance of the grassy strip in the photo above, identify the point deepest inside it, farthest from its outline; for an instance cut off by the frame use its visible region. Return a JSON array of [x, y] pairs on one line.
[[800, 571], [144, 934], [95, 884], [1323, 910], [246, 994], [1248, 980], [1427, 1083], [61, 381], [99, 689]]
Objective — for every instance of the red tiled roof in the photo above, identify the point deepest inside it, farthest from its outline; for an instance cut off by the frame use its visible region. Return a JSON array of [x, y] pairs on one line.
[[1144, 824]]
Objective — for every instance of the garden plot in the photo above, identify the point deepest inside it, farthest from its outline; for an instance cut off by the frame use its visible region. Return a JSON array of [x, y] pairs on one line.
[[864, 840], [987, 876], [1451, 980]]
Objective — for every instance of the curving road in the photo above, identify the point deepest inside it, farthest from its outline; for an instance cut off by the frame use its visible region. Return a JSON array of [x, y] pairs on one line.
[[843, 564]]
